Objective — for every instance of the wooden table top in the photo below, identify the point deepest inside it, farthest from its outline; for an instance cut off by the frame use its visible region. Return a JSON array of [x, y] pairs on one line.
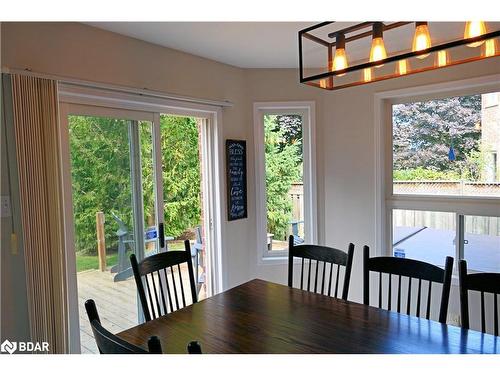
[[264, 317]]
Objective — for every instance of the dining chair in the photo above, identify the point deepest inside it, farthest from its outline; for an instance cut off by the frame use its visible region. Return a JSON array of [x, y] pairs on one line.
[[108, 343], [321, 254], [156, 276], [194, 347], [412, 269], [479, 282]]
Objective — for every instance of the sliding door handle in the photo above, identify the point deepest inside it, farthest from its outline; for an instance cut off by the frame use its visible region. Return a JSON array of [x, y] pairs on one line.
[[161, 234]]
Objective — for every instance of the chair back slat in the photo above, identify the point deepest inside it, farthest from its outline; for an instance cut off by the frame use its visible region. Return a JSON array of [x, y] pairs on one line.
[[483, 317], [309, 277], [418, 297], [301, 274], [485, 282], [408, 302], [380, 290], [399, 293], [157, 283], [329, 280], [389, 296], [337, 281], [495, 317], [323, 279], [411, 269], [316, 277], [325, 255]]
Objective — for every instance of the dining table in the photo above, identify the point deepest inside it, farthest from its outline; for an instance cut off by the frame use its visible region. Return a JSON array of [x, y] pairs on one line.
[[264, 317]]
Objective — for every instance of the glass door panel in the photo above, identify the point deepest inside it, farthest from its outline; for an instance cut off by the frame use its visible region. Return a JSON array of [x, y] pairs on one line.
[[182, 174], [115, 214]]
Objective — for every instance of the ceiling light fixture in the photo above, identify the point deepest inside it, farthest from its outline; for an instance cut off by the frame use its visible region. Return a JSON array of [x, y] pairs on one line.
[[367, 41]]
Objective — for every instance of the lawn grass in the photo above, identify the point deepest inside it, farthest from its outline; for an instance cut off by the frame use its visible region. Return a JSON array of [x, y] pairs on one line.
[[91, 262]]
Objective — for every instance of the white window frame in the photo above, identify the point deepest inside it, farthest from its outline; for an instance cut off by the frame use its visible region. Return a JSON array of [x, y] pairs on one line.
[[308, 110], [108, 101], [385, 199]]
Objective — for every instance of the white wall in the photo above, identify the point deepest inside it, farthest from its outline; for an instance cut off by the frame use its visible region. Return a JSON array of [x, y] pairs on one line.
[[344, 122]]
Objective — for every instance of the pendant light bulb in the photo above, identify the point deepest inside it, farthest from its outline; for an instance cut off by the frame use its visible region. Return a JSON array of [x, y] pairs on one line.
[[402, 68], [378, 51], [490, 48], [474, 29], [442, 58], [340, 58], [421, 39]]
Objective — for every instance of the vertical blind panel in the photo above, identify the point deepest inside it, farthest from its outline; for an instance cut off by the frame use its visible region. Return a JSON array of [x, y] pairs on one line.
[[35, 109]]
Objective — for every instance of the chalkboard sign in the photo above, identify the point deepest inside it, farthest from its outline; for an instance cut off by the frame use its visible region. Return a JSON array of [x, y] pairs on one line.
[[236, 166]]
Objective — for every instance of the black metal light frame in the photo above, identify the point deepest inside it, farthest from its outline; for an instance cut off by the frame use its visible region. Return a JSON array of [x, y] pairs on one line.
[[310, 80]]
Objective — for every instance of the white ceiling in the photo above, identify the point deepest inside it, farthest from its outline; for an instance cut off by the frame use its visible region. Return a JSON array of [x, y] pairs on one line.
[[266, 44], [242, 44]]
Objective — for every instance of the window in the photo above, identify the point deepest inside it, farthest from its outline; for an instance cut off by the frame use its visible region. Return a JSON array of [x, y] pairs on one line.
[[446, 147], [284, 176], [442, 182]]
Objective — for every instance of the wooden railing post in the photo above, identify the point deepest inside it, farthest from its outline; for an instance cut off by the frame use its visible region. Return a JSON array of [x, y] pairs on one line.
[[101, 242]]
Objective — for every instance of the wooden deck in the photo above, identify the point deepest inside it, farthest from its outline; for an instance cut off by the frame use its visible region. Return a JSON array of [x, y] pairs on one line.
[[116, 303]]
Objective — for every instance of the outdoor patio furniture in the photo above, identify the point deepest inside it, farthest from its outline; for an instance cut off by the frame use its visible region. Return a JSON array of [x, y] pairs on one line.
[[196, 254], [126, 239], [297, 240]]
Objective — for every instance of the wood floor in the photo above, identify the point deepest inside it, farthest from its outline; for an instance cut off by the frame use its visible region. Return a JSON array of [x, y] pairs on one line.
[[116, 303]]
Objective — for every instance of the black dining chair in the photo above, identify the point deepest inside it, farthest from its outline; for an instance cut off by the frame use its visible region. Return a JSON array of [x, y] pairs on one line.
[[480, 282], [155, 276], [108, 343], [321, 254], [411, 269], [194, 347]]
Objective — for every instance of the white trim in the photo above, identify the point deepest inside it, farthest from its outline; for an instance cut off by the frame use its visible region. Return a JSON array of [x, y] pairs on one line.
[[69, 230], [308, 111], [384, 198]]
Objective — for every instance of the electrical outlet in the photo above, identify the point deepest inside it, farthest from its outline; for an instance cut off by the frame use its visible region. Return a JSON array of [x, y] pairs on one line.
[[454, 319], [5, 206]]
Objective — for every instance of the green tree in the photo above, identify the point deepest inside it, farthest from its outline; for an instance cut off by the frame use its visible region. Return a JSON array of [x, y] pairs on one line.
[[424, 131], [283, 166], [100, 168], [181, 173]]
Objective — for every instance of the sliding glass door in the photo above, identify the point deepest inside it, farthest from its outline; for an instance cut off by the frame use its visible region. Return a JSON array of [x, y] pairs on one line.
[[139, 183]]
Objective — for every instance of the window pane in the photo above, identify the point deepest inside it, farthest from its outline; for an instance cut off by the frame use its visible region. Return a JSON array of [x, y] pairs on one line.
[[423, 235], [447, 146], [482, 243], [284, 183]]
